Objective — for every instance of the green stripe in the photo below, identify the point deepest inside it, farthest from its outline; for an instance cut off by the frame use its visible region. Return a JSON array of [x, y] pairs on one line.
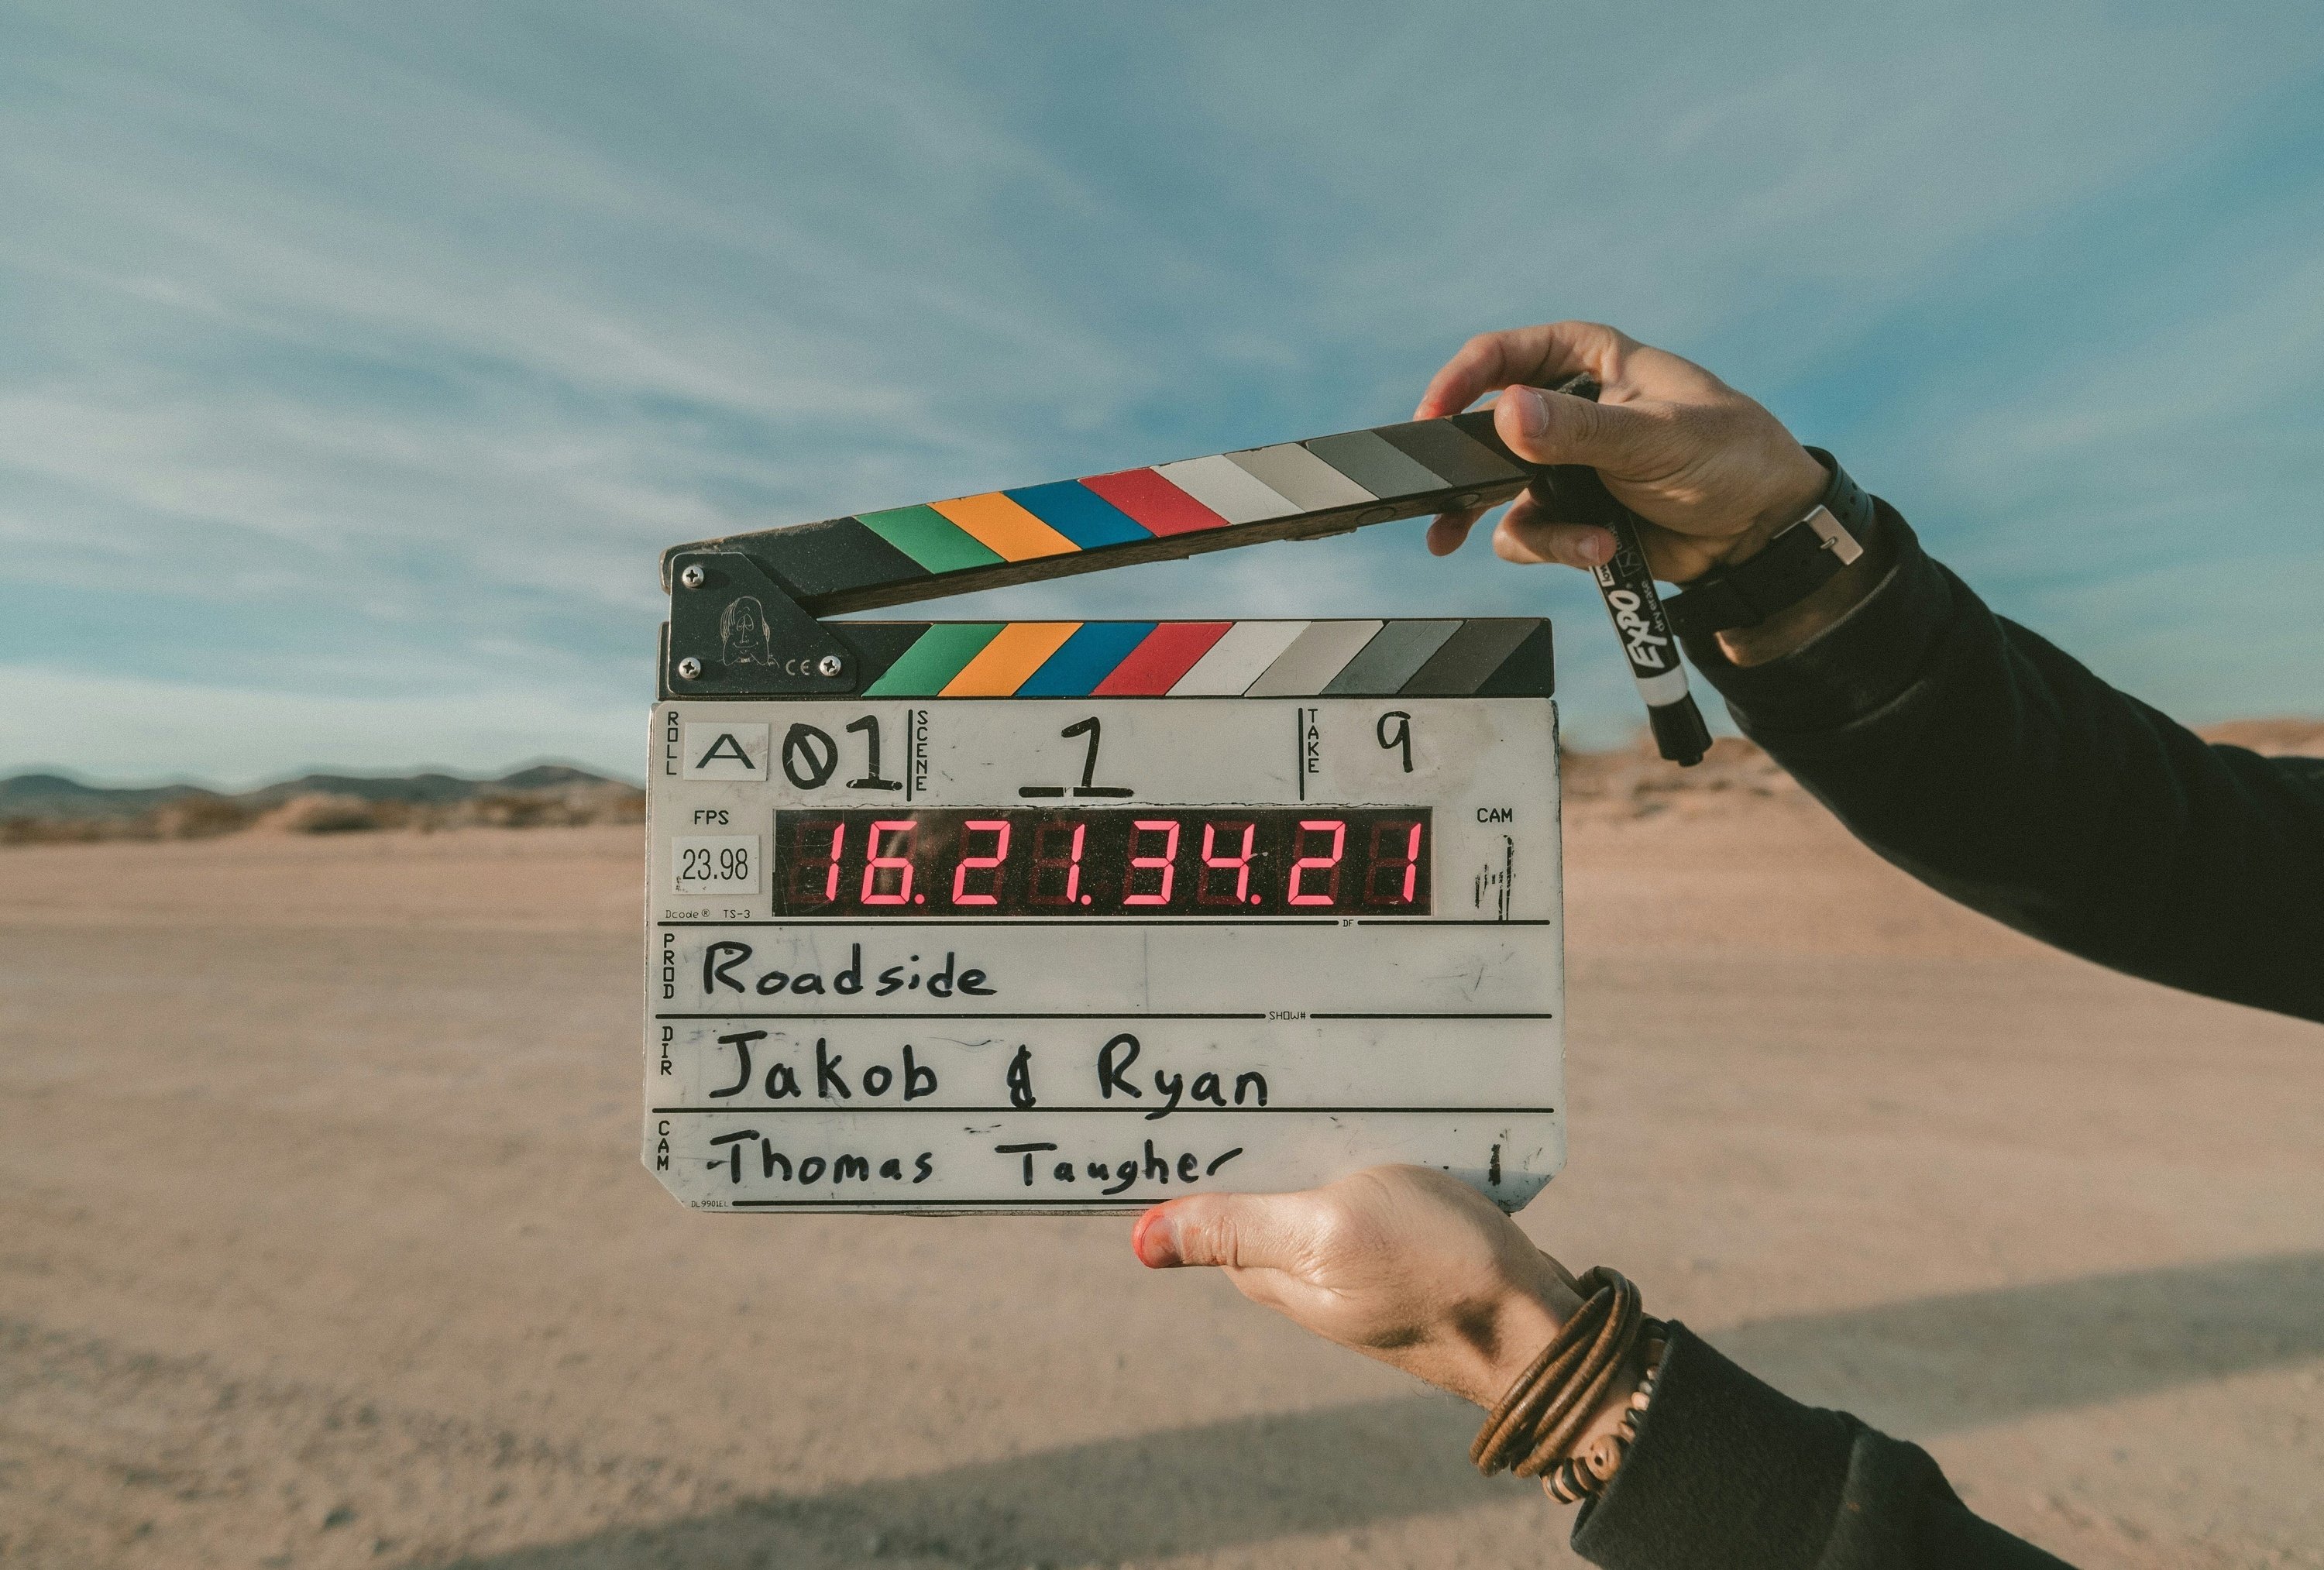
[[929, 538], [935, 660]]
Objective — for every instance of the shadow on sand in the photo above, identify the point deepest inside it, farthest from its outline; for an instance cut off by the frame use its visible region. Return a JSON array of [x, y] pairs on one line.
[[1919, 1368]]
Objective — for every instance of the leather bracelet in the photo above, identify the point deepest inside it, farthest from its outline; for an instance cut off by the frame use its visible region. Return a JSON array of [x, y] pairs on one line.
[[1537, 1422], [1796, 563]]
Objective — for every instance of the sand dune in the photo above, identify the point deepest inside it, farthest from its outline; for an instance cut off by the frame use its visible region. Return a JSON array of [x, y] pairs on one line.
[[322, 1241]]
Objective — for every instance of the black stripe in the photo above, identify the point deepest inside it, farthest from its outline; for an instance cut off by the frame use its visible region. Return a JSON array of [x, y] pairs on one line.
[[835, 556], [1530, 670], [1472, 656], [1447, 450], [1479, 425]]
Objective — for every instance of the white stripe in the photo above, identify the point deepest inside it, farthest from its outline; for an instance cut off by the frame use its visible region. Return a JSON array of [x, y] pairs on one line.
[[1668, 687], [1227, 489], [1235, 660]]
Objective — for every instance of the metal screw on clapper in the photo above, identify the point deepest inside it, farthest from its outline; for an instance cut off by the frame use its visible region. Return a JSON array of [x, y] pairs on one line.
[[1576, 493]]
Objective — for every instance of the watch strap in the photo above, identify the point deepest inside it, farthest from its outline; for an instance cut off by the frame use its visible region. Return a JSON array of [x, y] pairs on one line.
[[1793, 565]]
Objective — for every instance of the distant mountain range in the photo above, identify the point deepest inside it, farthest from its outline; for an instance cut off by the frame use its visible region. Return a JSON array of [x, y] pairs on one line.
[[54, 795], [78, 811]]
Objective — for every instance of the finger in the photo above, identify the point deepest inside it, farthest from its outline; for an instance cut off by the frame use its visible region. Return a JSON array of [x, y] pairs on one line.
[[1556, 427], [1521, 355], [1448, 530], [1535, 539], [1544, 536], [1246, 1231]]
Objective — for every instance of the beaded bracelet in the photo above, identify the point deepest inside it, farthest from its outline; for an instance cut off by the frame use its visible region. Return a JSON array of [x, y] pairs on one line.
[[1586, 1475]]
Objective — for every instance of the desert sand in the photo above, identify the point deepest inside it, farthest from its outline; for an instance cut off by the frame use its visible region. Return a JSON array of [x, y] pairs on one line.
[[323, 1240]]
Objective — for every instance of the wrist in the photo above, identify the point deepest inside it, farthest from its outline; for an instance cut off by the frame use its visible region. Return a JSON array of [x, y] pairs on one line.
[[1545, 1424], [1802, 487], [1790, 573], [1796, 625], [1505, 1342]]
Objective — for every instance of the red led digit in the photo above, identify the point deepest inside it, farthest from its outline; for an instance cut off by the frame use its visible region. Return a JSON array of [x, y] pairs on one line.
[[1165, 862], [1239, 862], [1392, 864], [810, 860], [875, 864], [971, 863], [1338, 828], [968, 864], [1043, 861]]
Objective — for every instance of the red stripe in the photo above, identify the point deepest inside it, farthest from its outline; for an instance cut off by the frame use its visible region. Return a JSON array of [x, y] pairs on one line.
[[1154, 501], [1161, 658]]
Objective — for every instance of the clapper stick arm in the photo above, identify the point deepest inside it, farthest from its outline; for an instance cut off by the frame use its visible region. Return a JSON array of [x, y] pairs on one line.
[[1292, 491]]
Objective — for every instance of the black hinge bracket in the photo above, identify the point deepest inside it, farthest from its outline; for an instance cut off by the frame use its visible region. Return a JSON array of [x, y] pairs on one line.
[[735, 632]]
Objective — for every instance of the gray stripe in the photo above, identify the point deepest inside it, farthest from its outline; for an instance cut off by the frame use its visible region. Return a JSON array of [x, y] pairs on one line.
[[1481, 646], [1362, 456], [1389, 660], [1291, 470], [1314, 658]]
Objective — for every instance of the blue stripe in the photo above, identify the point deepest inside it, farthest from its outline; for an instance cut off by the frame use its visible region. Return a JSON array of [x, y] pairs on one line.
[[1084, 659], [1080, 514]]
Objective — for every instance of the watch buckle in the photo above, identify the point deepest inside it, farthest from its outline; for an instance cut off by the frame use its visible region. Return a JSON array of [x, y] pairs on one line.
[[1836, 537]]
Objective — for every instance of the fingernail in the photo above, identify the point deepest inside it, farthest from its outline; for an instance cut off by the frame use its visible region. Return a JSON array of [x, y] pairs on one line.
[[1596, 550], [1532, 410], [1155, 1239]]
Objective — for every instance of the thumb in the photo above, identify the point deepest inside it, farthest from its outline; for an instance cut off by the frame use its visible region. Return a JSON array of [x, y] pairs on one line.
[[1247, 1230], [1557, 427]]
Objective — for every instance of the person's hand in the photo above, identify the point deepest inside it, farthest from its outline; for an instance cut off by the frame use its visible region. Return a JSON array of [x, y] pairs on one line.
[[1713, 474], [1401, 1263]]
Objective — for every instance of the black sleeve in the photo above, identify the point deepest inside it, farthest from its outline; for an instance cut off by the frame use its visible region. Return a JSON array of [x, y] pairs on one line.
[[1998, 770], [1731, 1473]]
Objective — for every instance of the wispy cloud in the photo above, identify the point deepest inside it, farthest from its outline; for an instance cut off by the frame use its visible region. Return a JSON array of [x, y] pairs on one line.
[[360, 361]]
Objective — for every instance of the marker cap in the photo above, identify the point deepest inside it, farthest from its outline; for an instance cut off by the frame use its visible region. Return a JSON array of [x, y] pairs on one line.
[[1679, 734]]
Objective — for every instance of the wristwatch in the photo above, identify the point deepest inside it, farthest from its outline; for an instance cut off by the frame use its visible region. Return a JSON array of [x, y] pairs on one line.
[[1796, 563]]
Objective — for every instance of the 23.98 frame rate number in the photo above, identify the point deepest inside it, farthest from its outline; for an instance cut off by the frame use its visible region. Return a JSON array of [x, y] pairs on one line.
[[1126, 862]]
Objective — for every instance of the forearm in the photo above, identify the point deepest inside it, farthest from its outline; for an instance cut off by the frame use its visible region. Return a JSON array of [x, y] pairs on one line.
[[1999, 771], [1727, 1470]]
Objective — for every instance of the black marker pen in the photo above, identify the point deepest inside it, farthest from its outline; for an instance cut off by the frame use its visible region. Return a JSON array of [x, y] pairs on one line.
[[1574, 493]]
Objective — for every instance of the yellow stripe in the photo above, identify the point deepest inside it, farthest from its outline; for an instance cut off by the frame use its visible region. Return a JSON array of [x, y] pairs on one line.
[[1001, 668], [1005, 528]]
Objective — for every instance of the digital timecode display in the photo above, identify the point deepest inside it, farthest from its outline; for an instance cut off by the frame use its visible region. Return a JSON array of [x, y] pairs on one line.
[[1137, 862]]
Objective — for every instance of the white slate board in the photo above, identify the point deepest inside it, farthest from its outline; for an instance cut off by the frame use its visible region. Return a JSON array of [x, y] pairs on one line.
[[826, 1033]]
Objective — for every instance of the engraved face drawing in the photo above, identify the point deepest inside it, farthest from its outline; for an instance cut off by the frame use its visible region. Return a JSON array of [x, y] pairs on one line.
[[744, 638]]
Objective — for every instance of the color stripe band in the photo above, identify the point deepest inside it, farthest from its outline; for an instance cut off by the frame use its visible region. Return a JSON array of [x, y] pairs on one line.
[[999, 538], [1482, 657]]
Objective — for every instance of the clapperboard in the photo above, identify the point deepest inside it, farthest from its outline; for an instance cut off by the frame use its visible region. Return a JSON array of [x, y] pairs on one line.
[[1059, 916]]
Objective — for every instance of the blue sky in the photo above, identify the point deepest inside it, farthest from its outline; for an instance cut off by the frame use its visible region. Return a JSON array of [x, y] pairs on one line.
[[357, 361]]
